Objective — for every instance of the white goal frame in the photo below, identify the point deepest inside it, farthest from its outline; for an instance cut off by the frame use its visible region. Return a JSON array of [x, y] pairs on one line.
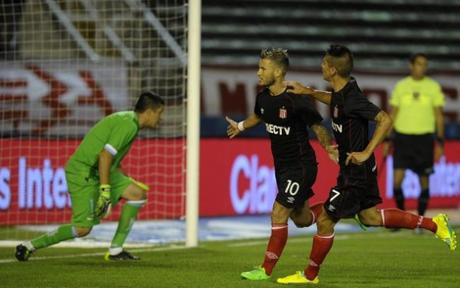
[[193, 122]]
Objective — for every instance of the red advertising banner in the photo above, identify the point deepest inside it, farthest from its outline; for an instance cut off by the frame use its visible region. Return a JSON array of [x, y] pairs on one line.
[[33, 187], [236, 177]]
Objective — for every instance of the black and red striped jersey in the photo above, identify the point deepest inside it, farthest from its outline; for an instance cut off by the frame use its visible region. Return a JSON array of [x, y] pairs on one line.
[[351, 112], [286, 118]]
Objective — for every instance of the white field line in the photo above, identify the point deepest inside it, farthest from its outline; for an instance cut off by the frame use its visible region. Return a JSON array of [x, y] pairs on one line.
[[153, 249], [309, 239], [76, 244], [176, 247]]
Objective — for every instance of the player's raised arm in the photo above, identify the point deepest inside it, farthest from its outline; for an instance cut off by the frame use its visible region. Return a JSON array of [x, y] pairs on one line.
[[298, 88], [234, 128], [325, 140], [383, 125]]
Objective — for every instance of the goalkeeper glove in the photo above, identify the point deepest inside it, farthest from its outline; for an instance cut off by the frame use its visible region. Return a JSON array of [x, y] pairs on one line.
[[104, 204]]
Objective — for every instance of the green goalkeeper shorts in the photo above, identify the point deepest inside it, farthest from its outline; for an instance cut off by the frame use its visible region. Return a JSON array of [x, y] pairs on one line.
[[84, 192]]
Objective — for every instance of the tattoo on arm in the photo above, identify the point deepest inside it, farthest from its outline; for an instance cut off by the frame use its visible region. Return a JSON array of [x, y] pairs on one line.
[[322, 134], [322, 96]]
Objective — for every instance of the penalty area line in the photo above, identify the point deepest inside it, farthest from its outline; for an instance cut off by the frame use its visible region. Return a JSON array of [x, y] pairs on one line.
[[38, 258]]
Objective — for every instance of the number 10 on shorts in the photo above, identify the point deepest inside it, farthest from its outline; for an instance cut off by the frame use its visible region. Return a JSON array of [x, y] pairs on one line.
[[292, 187]]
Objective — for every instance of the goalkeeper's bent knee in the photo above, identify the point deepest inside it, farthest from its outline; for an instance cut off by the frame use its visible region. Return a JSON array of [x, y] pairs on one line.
[[81, 231]]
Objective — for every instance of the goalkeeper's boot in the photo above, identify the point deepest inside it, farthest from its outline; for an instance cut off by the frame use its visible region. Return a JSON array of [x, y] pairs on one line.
[[297, 278], [22, 253], [445, 231], [257, 274], [122, 256]]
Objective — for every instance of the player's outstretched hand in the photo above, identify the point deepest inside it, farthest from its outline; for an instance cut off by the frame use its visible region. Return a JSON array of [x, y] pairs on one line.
[[333, 152], [357, 158], [298, 88], [232, 128], [104, 204]]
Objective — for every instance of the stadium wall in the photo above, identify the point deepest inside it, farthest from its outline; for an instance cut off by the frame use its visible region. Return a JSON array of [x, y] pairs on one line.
[[231, 90]]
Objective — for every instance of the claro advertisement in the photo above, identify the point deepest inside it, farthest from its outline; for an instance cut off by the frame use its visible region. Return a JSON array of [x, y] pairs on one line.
[[236, 177]]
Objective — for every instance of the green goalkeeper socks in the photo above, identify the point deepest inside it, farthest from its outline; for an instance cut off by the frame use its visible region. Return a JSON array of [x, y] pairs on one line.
[[127, 218], [62, 233]]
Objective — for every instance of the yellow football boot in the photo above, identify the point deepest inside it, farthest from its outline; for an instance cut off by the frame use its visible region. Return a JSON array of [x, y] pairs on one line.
[[445, 231], [297, 278]]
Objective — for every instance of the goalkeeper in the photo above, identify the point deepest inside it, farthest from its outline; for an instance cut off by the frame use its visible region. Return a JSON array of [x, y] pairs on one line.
[[96, 183]]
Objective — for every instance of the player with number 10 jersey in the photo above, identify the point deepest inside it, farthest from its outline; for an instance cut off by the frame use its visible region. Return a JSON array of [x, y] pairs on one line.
[[287, 118]]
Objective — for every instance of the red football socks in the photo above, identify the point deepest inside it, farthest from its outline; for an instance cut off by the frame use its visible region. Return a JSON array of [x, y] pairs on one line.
[[395, 218], [275, 246], [320, 248], [316, 210]]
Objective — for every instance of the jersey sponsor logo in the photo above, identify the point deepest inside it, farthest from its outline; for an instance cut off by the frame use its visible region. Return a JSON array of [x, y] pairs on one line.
[[277, 130], [337, 127], [283, 113]]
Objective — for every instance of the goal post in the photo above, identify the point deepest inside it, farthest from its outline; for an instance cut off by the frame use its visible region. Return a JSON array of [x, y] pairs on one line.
[[193, 121]]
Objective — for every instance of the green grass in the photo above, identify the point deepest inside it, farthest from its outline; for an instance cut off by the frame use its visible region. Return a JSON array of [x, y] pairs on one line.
[[9, 232], [372, 259]]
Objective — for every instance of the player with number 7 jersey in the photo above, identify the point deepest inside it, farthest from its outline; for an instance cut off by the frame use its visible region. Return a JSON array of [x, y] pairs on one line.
[[356, 191], [287, 118]]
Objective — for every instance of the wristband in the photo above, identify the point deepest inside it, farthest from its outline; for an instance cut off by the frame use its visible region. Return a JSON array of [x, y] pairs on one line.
[[241, 126]]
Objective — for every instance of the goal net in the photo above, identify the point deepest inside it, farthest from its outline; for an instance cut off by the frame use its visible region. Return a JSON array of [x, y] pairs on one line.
[[65, 64]]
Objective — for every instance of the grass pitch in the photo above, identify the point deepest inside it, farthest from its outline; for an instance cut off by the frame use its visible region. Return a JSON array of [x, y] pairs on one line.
[[368, 259]]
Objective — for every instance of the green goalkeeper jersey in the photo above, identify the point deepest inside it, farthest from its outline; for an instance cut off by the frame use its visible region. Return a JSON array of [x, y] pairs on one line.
[[114, 133]]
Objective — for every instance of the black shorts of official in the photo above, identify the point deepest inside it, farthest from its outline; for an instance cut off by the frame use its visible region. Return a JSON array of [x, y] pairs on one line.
[[356, 190], [414, 152], [294, 181]]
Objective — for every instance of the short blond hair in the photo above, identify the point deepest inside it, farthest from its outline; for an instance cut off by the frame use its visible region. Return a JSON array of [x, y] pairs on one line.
[[278, 55]]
